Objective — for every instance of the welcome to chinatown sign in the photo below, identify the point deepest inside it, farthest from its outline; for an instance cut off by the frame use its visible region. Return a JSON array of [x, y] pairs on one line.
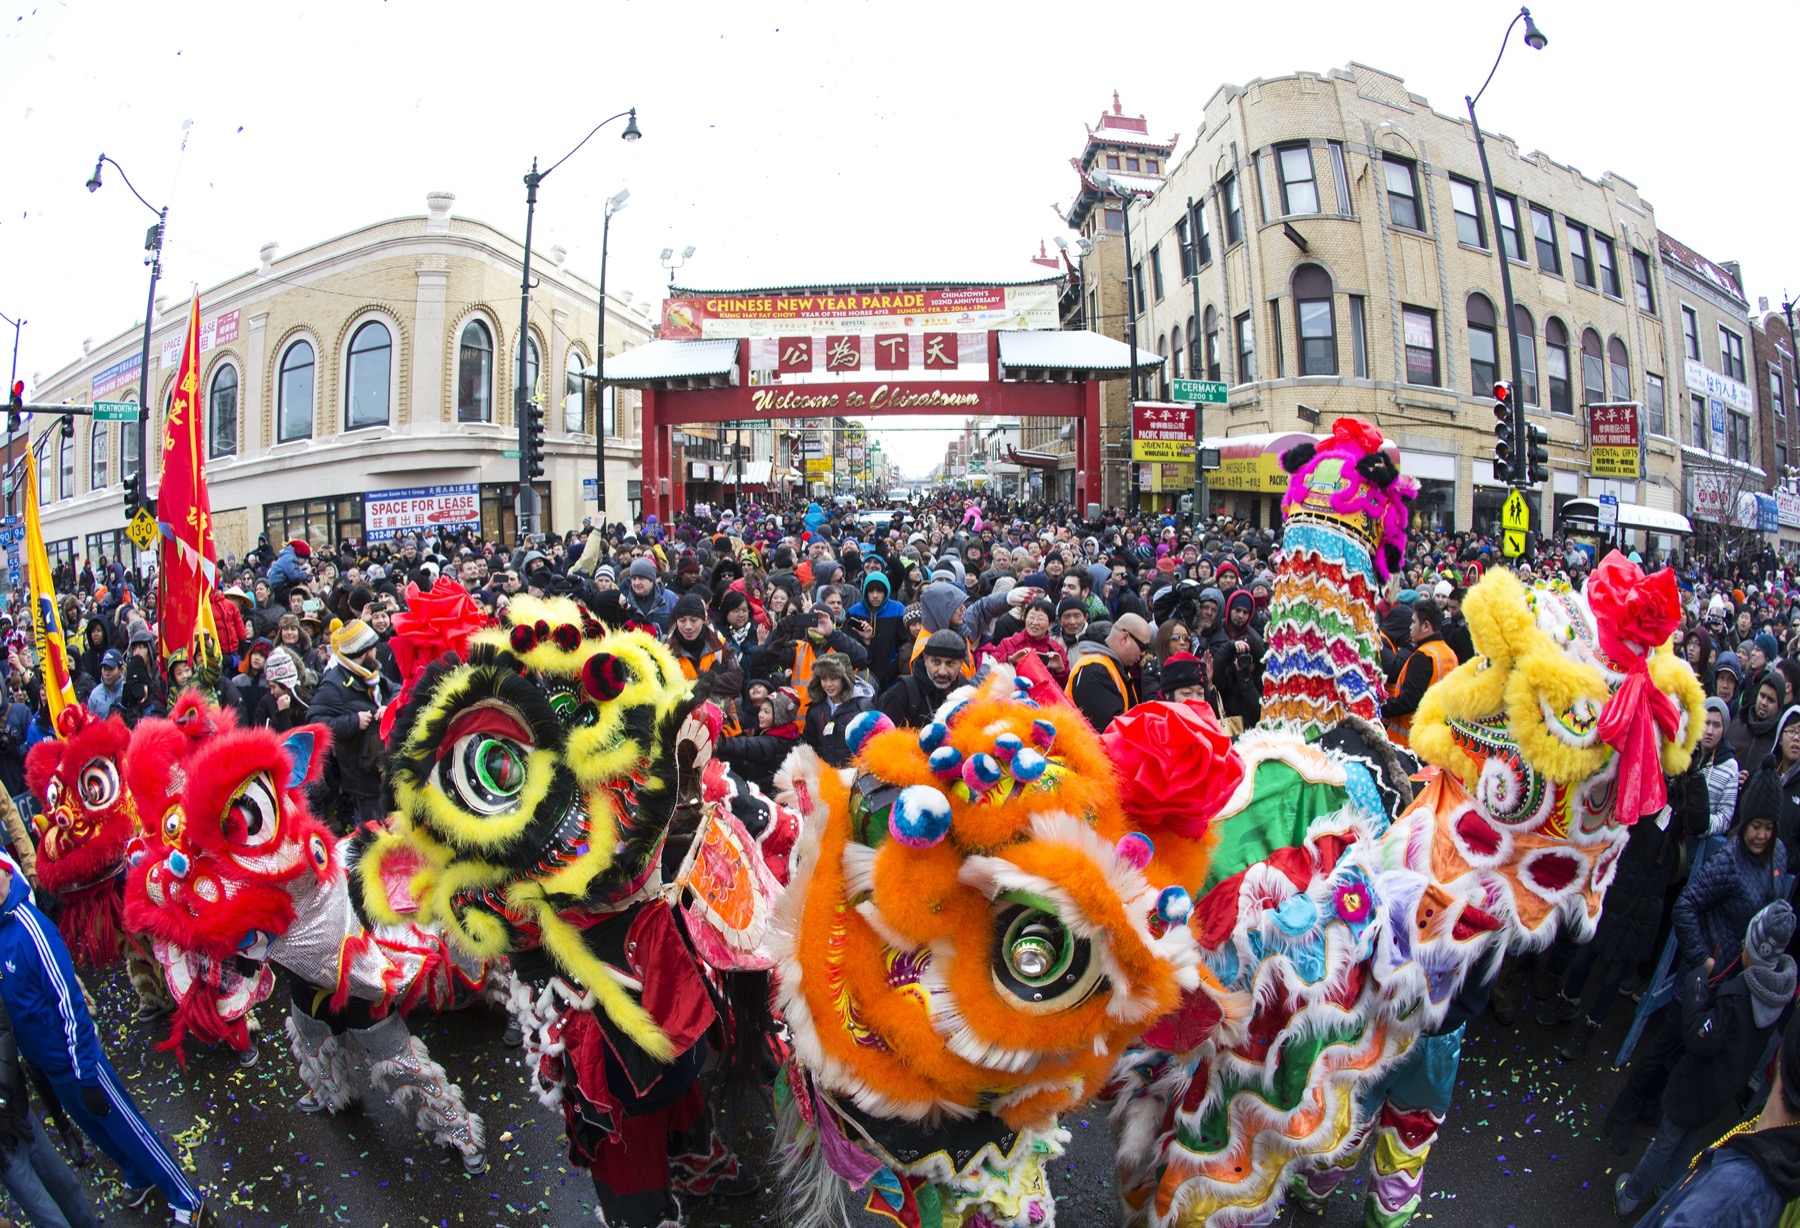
[[962, 309]]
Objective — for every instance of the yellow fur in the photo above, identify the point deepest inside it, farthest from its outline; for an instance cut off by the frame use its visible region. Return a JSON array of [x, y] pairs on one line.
[[1547, 676], [564, 942]]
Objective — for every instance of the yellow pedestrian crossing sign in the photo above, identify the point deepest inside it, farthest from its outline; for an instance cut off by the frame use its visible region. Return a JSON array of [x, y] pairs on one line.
[[1512, 543], [1516, 515]]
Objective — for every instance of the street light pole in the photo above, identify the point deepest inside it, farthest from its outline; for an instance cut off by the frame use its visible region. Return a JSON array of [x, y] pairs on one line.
[[528, 510], [613, 205], [10, 381], [1194, 367], [153, 243], [1106, 183]]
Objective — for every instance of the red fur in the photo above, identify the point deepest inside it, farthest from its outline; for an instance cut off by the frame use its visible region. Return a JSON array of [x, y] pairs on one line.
[[80, 845]]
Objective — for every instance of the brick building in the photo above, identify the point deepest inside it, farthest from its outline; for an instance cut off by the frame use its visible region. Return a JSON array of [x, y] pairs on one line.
[[1777, 371], [384, 358]]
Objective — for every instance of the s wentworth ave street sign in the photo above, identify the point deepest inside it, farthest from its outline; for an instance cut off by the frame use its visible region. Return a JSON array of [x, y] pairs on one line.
[[115, 411]]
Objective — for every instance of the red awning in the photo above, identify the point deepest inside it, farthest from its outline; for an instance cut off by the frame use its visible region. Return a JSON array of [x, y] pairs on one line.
[[1037, 460]]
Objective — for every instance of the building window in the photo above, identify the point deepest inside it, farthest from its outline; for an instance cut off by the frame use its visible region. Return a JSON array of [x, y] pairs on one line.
[[1183, 250], [366, 388], [1581, 262], [574, 393], [1156, 277], [1420, 328], [1115, 221], [1556, 367], [1162, 369], [1525, 332], [1619, 364], [1212, 343], [1640, 274], [1193, 349], [1507, 218], [1731, 354], [46, 479], [1484, 348], [1299, 189], [1175, 348], [222, 412], [1777, 391], [1593, 368], [1606, 257], [1275, 325], [1469, 227], [1690, 332], [1655, 409], [1137, 286], [475, 374], [1234, 209], [295, 393], [65, 457], [1203, 234], [1315, 320], [128, 445], [1340, 177], [1359, 337], [1131, 164], [1697, 423], [1403, 192], [1151, 165], [99, 435], [1737, 437], [1112, 162], [609, 411], [1543, 231], [1246, 348], [1780, 457]]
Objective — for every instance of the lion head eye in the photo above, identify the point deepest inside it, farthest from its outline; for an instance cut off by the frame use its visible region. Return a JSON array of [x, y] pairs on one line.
[[1038, 961], [487, 772], [99, 784], [253, 817]]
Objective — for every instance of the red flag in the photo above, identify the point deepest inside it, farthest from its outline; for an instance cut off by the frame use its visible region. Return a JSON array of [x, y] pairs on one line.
[[184, 510]]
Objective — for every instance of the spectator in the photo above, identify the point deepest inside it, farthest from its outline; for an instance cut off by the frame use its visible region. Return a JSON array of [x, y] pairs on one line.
[[758, 756], [1431, 661], [108, 696], [349, 702], [1456, 631], [1737, 880], [700, 650], [1752, 735], [1188, 679], [289, 568], [141, 695], [1101, 679], [246, 689], [836, 696], [885, 618], [1036, 638], [1715, 759], [645, 597], [31, 1168], [1071, 621], [1237, 660], [914, 699], [280, 706]]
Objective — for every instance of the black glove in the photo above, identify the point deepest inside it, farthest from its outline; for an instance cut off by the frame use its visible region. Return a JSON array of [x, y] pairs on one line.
[[94, 1100]]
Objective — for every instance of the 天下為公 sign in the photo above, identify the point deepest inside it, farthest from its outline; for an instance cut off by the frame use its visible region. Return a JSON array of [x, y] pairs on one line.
[[961, 308]]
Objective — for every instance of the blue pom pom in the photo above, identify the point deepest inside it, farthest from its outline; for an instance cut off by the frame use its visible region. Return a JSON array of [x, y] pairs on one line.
[[1007, 745], [945, 759], [1028, 765], [178, 863], [1020, 684], [863, 726], [981, 772], [920, 817], [932, 736], [1174, 905], [1043, 734]]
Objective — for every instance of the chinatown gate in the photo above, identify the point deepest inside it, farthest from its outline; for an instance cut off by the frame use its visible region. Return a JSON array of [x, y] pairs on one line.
[[782, 356]]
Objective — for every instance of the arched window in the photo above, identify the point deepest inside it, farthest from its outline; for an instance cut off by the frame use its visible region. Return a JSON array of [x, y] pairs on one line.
[[1175, 352], [222, 411], [1620, 363], [1162, 372], [366, 390], [1524, 330], [1484, 348], [1212, 343], [99, 454], [128, 445], [475, 374], [46, 477], [1316, 320], [1593, 368], [294, 391], [1556, 367], [574, 393], [532, 366], [65, 457], [1193, 336]]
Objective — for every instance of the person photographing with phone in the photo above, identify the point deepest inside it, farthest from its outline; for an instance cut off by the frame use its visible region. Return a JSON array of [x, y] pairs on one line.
[[349, 700]]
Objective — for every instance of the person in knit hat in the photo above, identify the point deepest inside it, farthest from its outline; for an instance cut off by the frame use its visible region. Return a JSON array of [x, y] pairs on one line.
[[758, 756], [1225, 575], [1728, 1008], [348, 701], [1728, 677]]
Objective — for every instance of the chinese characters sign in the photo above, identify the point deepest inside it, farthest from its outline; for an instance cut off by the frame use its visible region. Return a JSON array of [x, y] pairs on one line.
[[421, 509], [220, 330], [121, 373], [1613, 440], [1162, 432], [908, 312], [833, 358]]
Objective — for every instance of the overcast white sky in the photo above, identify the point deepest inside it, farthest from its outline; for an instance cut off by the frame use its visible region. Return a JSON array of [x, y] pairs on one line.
[[785, 141]]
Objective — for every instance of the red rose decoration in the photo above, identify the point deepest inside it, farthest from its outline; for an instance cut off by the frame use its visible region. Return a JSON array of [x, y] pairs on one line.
[[1176, 767], [1631, 608], [434, 623]]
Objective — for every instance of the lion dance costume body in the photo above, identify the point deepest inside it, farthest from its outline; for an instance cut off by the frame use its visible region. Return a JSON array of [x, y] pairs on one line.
[[235, 874], [1355, 909], [972, 937]]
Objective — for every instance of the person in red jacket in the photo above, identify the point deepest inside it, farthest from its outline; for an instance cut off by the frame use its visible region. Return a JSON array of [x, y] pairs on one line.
[[1040, 617]]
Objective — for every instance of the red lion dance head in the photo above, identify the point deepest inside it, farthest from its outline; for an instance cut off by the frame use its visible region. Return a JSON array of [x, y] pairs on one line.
[[87, 823], [228, 838]]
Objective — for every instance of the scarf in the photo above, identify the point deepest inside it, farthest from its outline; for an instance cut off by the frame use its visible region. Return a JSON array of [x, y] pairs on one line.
[[1634, 614]]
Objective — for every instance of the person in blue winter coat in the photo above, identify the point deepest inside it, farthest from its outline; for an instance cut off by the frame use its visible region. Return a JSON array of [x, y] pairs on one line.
[[1736, 882], [56, 1035], [886, 619], [289, 568]]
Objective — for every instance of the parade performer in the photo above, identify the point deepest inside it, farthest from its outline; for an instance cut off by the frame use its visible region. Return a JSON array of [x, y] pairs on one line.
[[236, 874], [536, 776], [972, 938]]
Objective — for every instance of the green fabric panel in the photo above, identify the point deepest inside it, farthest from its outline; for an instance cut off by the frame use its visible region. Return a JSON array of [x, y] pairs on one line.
[[931, 1206], [1283, 805], [1292, 1076]]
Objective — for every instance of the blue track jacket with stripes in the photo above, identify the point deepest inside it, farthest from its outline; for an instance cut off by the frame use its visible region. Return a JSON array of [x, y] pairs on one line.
[[37, 981]]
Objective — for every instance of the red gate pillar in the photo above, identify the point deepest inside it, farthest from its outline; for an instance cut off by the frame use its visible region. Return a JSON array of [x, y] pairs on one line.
[[655, 464], [1088, 453]]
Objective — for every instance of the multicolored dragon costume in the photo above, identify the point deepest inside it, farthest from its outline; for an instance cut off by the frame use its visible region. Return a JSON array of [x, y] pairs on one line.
[[550, 808], [1357, 909], [972, 938], [235, 874]]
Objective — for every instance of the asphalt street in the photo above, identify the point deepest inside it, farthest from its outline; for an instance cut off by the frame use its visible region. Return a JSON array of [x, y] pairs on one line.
[[1521, 1147]]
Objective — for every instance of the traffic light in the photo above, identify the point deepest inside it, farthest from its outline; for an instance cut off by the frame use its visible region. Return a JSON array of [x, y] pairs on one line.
[[15, 407], [532, 444], [68, 426], [1505, 442], [1537, 455], [134, 494]]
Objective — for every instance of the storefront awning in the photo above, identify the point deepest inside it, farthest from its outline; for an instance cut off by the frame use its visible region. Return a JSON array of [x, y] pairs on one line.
[[657, 361], [1037, 460], [1631, 516], [1069, 350]]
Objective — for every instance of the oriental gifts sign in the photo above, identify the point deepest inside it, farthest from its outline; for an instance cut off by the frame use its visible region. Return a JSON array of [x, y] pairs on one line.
[[1614, 440], [889, 313], [1162, 432]]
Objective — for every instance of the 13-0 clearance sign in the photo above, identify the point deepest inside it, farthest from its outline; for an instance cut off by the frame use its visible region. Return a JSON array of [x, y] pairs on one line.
[[1162, 432]]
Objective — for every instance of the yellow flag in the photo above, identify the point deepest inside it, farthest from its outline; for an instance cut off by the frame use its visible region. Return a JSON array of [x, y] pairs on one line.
[[46, 621]]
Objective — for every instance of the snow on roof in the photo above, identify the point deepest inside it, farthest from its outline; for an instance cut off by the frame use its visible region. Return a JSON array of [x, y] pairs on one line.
[[673, 360], [1069, 350], [1109, 135], [1699, 265]]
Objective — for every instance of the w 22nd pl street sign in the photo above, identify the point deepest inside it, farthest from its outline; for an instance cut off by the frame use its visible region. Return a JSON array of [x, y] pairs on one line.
[[1198, 391]]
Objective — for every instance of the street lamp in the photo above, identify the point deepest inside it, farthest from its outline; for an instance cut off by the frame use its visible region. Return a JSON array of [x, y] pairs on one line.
[[614, 203], [527, 505], [670, 263], [153, 243], [1534, 38], [1106, 183], [11, 426]]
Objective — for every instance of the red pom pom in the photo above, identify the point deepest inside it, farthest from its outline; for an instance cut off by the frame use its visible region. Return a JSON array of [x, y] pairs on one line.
[[1176, 766], [524, 639], [603, 677], [567, 637]]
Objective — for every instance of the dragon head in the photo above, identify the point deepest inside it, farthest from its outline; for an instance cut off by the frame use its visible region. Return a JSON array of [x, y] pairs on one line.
[[88, 818]]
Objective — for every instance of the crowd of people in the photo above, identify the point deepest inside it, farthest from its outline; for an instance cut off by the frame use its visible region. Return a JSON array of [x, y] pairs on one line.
[[796, 617]]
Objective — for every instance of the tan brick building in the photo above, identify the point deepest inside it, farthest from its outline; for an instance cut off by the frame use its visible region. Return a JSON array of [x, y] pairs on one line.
[[382, 359], [1347, 264]]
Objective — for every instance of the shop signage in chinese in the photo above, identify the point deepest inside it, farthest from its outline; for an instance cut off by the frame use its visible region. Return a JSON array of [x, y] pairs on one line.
[[837, 358], [1787, 508], [121, 373], [220, 330], [421, 509], [1613, 440], [966, 308], [1162, 432], [790, 402], [1709, 383]]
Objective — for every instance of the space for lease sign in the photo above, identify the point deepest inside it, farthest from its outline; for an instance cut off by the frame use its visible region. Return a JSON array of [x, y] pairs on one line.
[[421, 509]]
